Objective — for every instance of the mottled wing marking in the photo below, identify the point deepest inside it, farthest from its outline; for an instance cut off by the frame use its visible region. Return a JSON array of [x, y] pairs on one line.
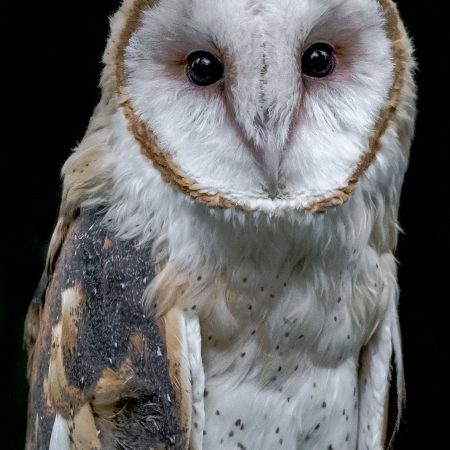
[[82, 179], [99, 370], [42, 315], [33, 319]]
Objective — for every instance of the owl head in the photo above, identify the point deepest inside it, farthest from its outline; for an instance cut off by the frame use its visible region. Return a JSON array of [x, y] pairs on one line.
[[269, 106]]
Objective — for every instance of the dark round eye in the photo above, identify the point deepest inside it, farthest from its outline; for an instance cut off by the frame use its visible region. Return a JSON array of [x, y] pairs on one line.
[[203, 68], [318, 61]]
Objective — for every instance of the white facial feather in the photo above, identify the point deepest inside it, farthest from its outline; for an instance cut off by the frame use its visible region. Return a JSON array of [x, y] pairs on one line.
[[286, 299], [266, 129]]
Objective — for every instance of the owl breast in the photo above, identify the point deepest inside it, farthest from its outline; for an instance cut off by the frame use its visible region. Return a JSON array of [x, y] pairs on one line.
[[281, 360], [301, 406]]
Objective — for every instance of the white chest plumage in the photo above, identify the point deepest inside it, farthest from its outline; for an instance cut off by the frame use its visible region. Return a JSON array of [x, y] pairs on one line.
[[281, 361], [316, 408], [279, 397]]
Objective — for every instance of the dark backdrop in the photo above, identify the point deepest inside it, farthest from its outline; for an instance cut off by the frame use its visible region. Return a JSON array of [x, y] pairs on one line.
[[53, 59]]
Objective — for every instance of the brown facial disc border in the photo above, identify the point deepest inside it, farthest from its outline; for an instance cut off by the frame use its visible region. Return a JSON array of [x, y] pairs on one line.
[[172, 173]]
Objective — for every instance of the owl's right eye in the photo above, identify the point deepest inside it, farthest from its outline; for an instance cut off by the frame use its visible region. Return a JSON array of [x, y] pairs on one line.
[[203, 68]]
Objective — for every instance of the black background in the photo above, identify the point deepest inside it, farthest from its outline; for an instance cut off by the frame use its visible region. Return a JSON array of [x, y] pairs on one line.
[[52, 56]]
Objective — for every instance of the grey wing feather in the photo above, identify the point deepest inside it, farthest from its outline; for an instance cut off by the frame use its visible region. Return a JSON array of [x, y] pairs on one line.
[[97, 359]]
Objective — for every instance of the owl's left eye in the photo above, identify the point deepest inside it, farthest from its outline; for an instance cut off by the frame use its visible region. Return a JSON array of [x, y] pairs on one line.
[[203, 68], [318, 61]]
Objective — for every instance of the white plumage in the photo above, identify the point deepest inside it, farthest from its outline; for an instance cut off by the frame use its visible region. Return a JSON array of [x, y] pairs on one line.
[[272, 229]]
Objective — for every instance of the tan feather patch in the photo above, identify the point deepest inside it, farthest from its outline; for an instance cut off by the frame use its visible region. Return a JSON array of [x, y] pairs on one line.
[[84, 433], [110, 388], [167, 290], [138, 346], [85, 177], [65, 399], [173, 328], [70, 314]]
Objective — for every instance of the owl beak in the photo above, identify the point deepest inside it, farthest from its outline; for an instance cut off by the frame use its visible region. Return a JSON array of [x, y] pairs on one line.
[[271, 168], [269, 149], [265, 116]]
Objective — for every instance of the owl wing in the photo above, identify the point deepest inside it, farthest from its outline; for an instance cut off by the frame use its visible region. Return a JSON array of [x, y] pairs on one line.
[[98, 370], [374, 375]]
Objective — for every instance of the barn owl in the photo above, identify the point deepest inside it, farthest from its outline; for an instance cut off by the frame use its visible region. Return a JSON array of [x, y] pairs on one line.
[[222, 273]]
